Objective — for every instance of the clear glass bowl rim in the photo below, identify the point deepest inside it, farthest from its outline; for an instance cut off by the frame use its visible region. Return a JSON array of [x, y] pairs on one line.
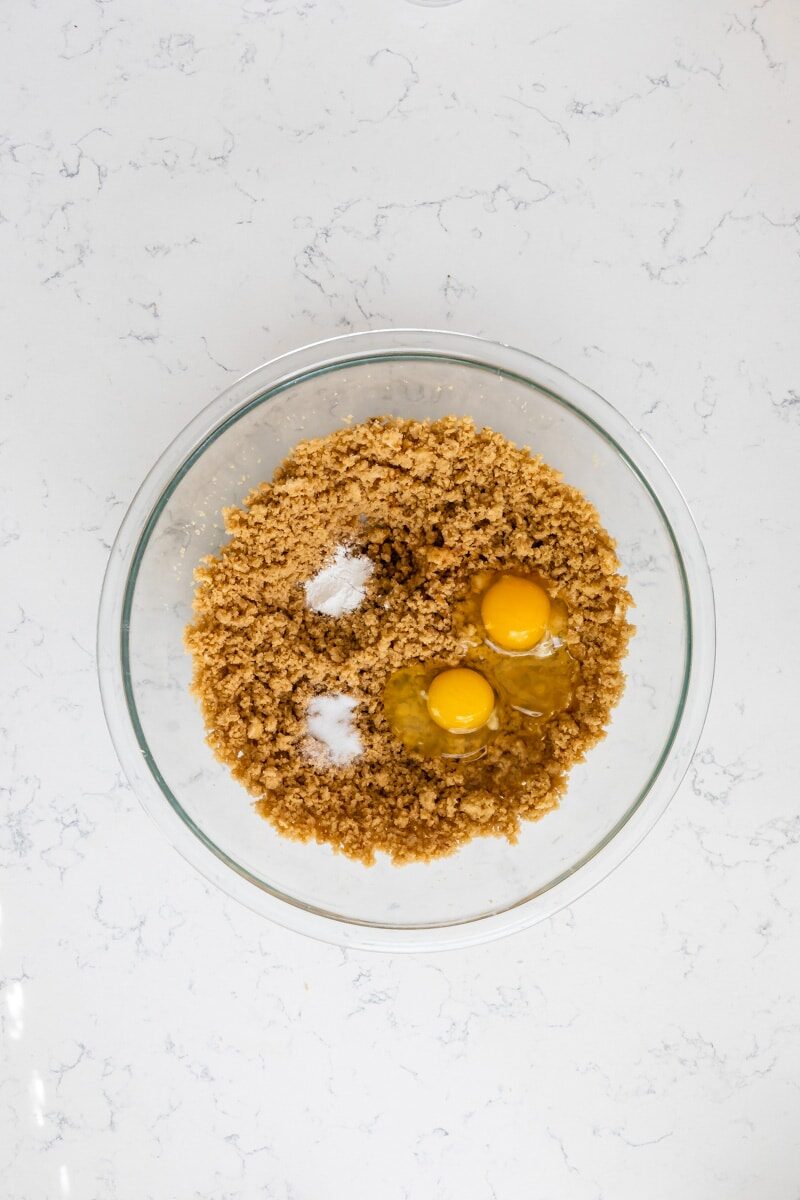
[[257, 387]]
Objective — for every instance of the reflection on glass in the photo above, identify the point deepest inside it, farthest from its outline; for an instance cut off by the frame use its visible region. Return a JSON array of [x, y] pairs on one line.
[[15, 1003], [37, 1098]]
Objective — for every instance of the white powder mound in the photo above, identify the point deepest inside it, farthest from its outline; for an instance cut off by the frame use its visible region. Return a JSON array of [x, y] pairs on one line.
[[340, 586], [329, 720]]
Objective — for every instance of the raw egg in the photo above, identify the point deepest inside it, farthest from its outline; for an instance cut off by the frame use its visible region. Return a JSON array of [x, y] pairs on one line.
[[515, 613], [520, 650], [516, 672], [441, 712], [460, 700]]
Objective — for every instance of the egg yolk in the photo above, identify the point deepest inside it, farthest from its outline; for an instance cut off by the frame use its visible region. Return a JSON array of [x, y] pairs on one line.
[[515, 613], [460, 700]]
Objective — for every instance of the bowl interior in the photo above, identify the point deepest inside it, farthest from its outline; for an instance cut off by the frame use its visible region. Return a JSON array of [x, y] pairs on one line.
[[489, 875]]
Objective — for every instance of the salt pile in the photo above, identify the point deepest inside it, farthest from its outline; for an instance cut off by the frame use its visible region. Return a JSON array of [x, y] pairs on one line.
[[329, 720]]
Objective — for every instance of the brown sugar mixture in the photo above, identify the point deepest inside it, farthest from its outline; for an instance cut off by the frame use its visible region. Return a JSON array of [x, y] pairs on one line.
[[434, 505]]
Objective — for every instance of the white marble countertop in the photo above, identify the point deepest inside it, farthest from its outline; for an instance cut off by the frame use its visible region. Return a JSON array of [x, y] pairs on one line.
[[189, 188]]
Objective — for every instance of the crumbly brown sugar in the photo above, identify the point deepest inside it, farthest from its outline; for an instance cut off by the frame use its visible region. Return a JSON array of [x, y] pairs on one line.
[[431, 503]]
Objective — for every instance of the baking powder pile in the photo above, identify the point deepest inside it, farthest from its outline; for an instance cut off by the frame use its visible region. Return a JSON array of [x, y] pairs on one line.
[[339, 587]]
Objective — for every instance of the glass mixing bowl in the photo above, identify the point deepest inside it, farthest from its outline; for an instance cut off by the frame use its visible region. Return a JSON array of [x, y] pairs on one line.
[[489, 888]]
